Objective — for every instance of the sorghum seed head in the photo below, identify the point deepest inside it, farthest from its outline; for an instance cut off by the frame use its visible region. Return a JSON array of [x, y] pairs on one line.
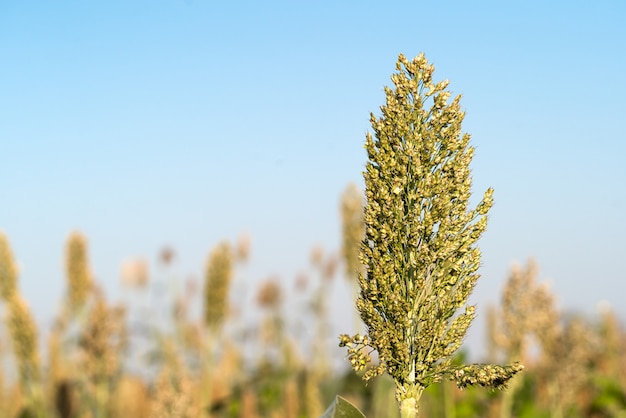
[[79, 279], [218, 276]]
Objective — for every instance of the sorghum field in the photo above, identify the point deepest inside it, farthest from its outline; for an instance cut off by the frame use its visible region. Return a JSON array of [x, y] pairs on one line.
[[184, 351]]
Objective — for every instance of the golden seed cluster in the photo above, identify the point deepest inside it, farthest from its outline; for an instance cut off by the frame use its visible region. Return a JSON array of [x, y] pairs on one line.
[[419, 250]]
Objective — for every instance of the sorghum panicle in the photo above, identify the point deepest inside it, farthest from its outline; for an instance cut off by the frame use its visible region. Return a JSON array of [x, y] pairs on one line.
[[218, 277], [419, 251], [8, 270], [79, 280], [23, 332]]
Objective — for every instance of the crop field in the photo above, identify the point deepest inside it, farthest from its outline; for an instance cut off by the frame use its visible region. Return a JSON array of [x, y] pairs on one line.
[[193, 355], [165, 128]]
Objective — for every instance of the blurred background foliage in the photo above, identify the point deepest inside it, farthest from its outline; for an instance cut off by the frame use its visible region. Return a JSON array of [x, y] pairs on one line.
[[175, 348]]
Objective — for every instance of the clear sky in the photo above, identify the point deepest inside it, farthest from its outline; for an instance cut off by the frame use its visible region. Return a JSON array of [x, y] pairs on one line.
[[180, 123]]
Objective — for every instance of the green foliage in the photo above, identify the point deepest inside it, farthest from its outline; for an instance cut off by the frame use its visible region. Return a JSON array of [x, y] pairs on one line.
[[610, 399], [341, 408]]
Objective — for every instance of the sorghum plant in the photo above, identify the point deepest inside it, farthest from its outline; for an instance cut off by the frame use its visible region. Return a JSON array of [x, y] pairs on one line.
[[519, 306], [174, 393], [8, 270], [613, 339], [325, 263], [219, 273], [79, 281], [218, 277], [102, 342], [22, 331], [568, 347], [420, 248], [272, 328], [352, 229], [522, 315]]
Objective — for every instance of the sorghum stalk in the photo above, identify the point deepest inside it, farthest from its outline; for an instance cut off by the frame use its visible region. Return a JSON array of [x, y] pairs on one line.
[[420, 244]]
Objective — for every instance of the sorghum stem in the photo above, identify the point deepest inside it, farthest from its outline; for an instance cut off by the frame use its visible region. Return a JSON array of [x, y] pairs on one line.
[[409, 405]]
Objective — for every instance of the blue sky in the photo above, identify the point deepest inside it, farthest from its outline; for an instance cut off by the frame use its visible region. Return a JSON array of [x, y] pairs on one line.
[[180, 123]]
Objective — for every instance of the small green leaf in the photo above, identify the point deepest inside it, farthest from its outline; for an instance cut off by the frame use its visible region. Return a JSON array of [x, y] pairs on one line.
[[341, 408]]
